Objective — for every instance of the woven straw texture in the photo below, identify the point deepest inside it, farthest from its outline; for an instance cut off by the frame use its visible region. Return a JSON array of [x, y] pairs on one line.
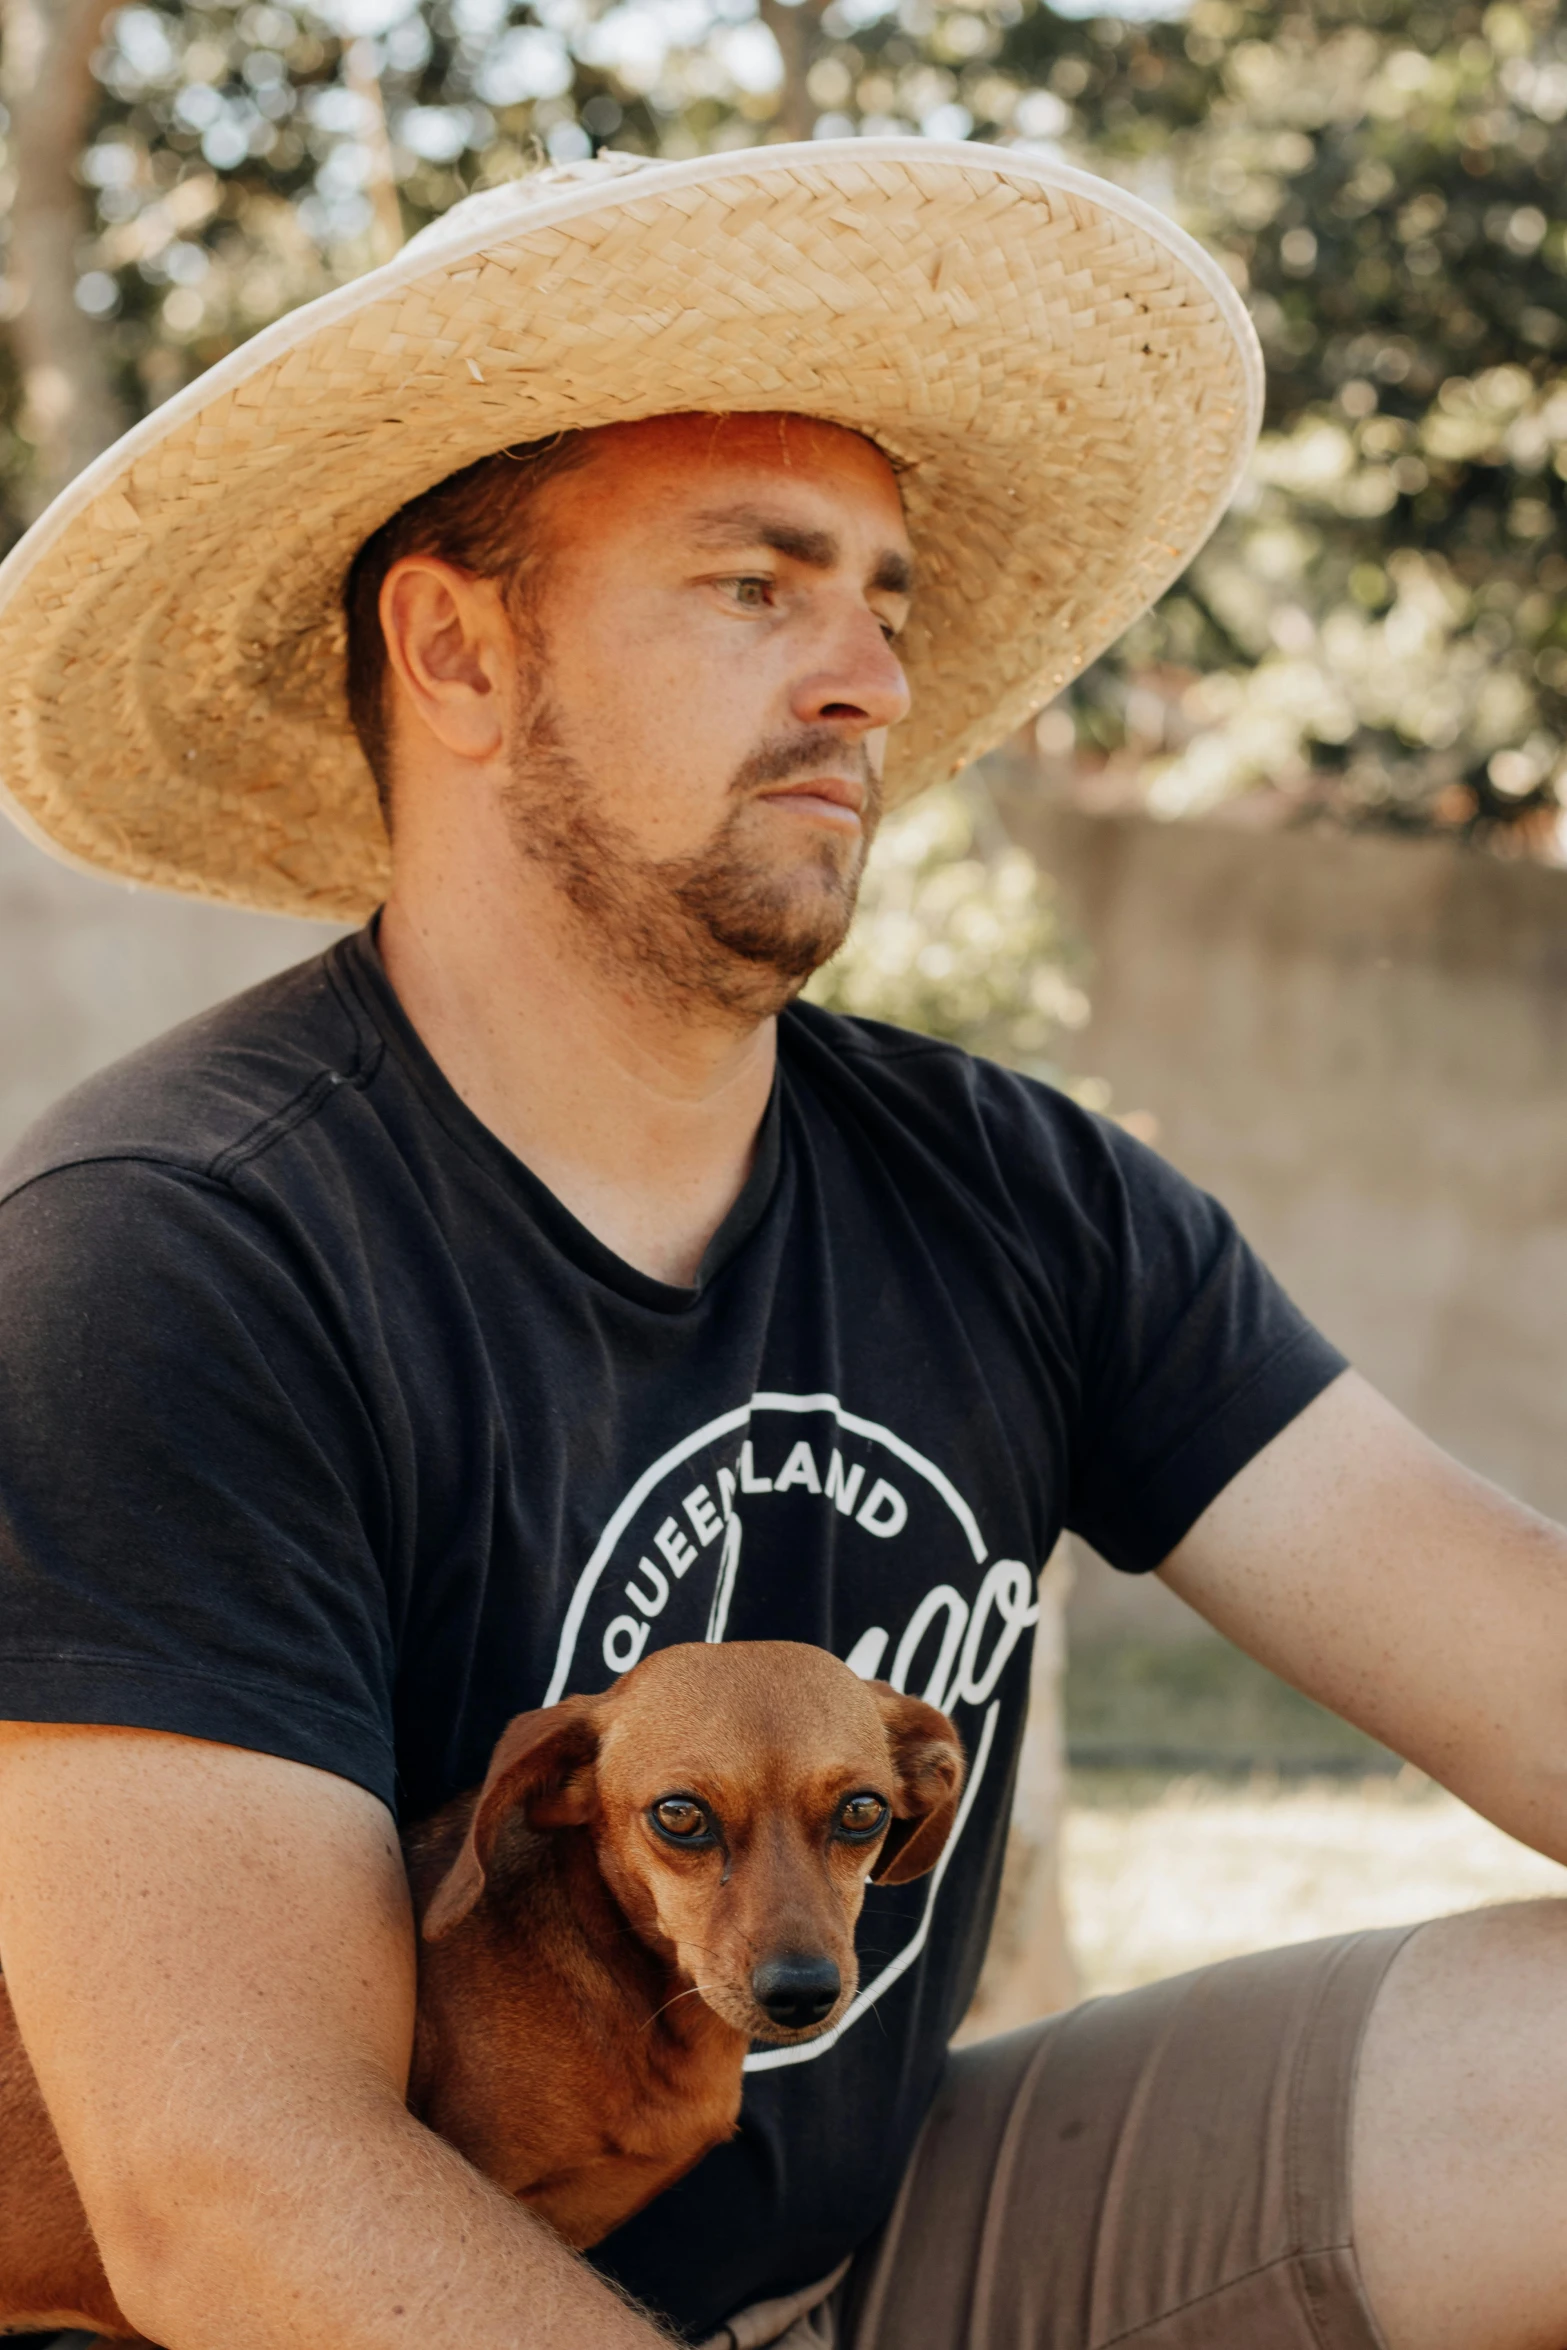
[[1069, 381]]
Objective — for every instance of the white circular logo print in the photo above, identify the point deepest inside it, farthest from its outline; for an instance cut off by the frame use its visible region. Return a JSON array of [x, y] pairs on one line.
[[940, 1616]]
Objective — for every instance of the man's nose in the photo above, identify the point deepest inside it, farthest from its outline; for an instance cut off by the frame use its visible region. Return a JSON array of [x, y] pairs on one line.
[[796, 1988], [860, 685]]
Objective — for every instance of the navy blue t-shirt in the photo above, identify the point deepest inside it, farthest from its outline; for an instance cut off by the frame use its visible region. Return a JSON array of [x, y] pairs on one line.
[[326, 1430]]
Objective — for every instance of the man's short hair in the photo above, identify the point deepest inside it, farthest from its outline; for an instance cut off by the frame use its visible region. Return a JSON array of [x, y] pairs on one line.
[[479, 519]]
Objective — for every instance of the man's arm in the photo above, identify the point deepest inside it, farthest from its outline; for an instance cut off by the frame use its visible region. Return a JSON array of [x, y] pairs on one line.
[[211, 1959], [1364, 1565]]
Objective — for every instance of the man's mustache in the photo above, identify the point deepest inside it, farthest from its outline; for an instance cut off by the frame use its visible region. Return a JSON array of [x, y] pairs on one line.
[[797, 757]]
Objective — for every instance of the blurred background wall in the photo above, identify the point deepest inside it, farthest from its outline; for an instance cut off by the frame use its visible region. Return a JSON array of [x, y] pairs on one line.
[[88, 970], [1359, 1044]]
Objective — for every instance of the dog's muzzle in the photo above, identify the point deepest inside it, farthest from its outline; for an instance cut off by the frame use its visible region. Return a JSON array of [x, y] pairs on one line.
[[795, 1990]]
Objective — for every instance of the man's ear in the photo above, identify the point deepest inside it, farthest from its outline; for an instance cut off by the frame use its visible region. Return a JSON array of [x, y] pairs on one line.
[[927, 1759], [449, 645], [542, 1764]]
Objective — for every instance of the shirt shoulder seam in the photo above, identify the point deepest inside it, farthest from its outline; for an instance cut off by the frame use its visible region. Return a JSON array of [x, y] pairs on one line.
[[251, 1144], [302, 1106], [122, 1155]]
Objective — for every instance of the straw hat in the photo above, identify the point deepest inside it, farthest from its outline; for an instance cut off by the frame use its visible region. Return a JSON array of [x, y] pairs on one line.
[[1070, 383]]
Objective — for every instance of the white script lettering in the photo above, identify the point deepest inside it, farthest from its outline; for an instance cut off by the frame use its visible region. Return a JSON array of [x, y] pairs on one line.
[[1009, 1589], [943, 1598], [865, 1656]]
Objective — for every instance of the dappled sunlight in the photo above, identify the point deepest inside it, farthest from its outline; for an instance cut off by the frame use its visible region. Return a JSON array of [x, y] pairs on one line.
[[958, 934]]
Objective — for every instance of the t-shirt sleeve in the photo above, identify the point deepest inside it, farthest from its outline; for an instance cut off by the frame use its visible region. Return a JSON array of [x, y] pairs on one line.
[[192, 1497], [1191, 1357]]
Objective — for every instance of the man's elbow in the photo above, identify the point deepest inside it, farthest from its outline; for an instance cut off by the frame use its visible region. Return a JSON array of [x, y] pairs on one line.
[[1515, 1775], [190, 2223], [170, 2224], [139, 2239]]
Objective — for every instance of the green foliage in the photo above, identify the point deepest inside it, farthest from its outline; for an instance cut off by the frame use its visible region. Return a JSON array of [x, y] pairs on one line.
[[1200, 1705], [1378, 630], [957, 934], [1377, 633]]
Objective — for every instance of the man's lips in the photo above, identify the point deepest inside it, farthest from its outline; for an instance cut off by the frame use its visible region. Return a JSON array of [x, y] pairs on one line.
[[839, 799]]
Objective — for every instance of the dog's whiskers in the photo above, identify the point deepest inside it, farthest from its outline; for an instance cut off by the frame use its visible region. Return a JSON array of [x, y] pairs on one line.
[[697, 1991]]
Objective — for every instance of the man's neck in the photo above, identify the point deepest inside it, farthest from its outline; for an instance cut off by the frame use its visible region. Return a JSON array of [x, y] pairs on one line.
[[642, 1118]]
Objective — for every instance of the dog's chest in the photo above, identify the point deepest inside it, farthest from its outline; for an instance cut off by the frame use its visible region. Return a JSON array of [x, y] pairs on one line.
[[689, 2094], [652, 2121]]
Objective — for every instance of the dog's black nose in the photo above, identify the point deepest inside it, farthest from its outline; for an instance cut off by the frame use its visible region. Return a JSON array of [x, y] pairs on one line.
[[796, 1990]]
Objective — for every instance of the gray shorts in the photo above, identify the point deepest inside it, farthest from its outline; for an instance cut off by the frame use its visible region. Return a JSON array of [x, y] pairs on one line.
[[1168, 2168]]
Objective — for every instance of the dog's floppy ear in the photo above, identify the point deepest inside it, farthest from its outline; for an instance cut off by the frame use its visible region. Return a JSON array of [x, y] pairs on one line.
[[927, 1755], [543, 1761]]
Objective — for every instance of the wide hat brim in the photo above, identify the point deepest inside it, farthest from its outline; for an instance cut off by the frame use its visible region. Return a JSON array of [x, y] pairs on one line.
[[1068, 381]]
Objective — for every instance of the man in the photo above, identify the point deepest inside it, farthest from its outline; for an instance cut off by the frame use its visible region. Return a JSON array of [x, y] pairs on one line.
[[529, 1282]]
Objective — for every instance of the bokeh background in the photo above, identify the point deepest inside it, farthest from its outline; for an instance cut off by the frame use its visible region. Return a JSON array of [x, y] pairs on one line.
[[1280, 882]]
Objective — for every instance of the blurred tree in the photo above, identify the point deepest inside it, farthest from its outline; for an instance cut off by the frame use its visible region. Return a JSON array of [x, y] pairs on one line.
[[796, 27], [957, 934], [1377, 633], [62, 373]]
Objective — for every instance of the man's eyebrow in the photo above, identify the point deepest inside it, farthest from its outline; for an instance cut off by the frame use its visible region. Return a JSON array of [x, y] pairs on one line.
[[819, 550], [751, 526]]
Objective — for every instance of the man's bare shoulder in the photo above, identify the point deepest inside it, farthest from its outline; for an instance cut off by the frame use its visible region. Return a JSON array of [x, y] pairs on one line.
[[206, 1094]]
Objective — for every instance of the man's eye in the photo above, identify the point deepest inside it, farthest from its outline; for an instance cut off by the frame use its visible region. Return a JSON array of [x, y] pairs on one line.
[[752, 594], [681, 1821], [861, 1818]]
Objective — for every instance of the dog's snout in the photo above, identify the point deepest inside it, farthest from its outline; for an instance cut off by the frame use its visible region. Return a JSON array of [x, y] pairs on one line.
[[796, 1990]]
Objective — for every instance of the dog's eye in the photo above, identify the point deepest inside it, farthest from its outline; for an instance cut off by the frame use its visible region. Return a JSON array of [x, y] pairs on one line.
[[681, 1821], [861, 1818]]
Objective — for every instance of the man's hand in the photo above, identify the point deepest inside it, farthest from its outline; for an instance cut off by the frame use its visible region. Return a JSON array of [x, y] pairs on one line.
[[1364, 1565], [211, 1958]]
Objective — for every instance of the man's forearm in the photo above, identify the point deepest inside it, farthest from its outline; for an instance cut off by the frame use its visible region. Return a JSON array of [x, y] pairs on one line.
[[1358, 1561], [210, 1957], [364, 2232]]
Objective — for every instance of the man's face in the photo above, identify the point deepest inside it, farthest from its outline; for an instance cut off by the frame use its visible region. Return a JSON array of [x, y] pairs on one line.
[[710, 674]]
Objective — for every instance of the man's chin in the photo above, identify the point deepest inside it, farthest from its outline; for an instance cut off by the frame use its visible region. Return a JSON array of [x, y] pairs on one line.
[[737, 926], [784, 939]]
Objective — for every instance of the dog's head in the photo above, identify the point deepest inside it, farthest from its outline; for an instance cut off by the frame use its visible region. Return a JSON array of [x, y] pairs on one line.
[[738, 1798]]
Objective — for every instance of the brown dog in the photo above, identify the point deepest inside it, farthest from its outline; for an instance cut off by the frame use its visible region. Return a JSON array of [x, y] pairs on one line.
[[586, 1998], [646, 1882]]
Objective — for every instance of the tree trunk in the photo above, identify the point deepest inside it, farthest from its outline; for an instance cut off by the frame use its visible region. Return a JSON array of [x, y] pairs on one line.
[[796, 26], [386, 234], [1028, 1968], [70, 412]]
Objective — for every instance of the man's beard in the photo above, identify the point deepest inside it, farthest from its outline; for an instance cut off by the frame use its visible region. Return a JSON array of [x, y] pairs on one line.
[[719, 926]]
